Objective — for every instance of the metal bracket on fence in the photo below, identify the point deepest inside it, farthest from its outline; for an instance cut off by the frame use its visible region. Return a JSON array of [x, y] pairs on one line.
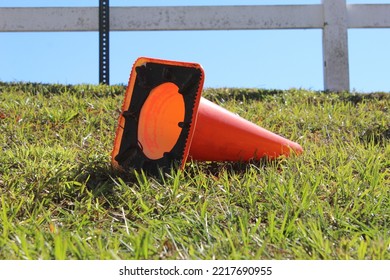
[[104, 42]]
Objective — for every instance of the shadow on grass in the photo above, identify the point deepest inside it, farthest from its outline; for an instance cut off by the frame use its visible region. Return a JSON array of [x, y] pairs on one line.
[[103, 180], [240, 94], [231, 168], [379, 135], [357, 98], [54, 89]]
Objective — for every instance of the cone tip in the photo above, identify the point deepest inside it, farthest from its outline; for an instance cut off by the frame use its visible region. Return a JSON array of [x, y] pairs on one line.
[[295, 148]]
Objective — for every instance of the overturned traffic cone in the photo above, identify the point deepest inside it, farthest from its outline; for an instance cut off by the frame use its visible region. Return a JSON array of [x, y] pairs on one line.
[[165, 120]]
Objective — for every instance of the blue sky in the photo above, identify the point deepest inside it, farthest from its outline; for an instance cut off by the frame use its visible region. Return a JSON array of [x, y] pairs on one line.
[[272, 59]]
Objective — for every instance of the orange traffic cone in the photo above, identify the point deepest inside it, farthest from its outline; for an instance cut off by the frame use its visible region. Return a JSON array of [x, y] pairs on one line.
[[223, 136], [165, 120]]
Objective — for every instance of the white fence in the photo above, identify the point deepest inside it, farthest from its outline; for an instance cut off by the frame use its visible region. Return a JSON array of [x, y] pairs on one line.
[[334, 17]]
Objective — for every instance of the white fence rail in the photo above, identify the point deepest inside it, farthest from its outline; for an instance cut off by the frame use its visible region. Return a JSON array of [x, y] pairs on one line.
[[334, 17]]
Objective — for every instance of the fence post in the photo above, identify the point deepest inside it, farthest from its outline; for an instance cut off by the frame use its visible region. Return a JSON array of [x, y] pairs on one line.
[[104, 42], [335, 45]]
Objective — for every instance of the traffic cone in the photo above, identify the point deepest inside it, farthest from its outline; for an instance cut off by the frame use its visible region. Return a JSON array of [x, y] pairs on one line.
[[165, 120], [221, 135]]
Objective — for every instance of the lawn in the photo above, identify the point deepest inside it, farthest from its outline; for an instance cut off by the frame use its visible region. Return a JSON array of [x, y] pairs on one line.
[[60, 198]]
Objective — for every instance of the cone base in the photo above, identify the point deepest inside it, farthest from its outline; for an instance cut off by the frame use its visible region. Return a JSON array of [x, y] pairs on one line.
[[158, 115]]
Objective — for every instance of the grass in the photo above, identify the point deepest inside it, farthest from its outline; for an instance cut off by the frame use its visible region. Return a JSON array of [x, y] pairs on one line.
[[60, 199]]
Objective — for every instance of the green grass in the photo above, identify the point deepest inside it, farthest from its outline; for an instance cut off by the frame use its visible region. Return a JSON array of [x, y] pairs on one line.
[[60, 199]]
